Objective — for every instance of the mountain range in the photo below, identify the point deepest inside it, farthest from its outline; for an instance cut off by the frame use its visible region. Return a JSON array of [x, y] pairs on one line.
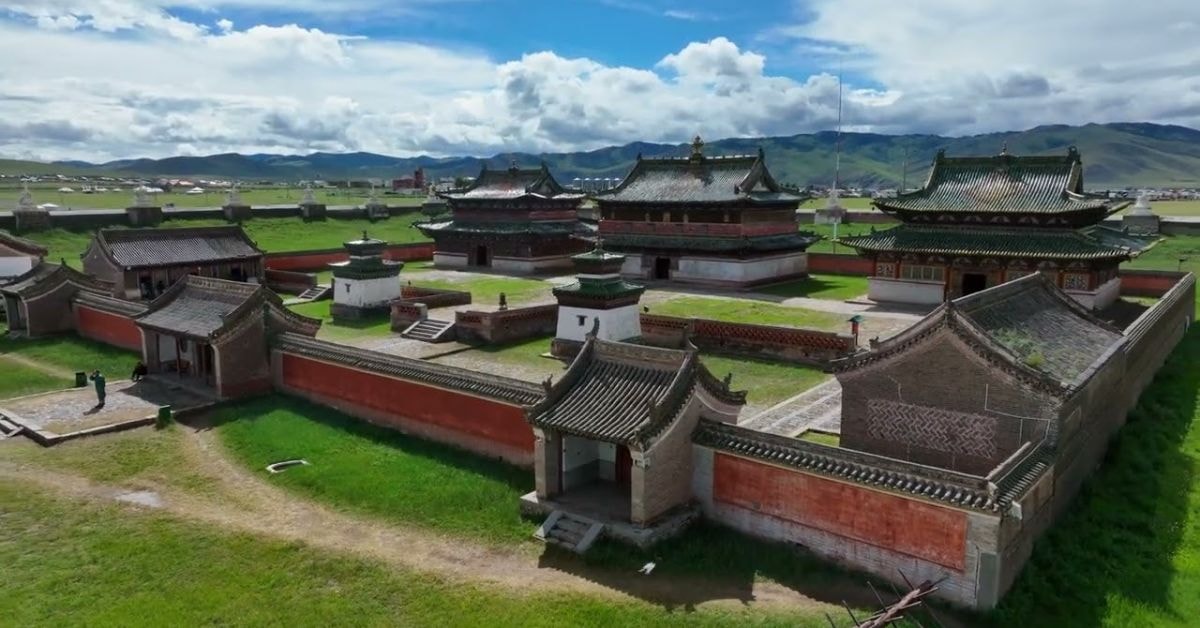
[[1115, 155]]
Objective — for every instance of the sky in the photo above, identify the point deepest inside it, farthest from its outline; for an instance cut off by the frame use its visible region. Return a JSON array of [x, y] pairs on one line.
[[113, 79]]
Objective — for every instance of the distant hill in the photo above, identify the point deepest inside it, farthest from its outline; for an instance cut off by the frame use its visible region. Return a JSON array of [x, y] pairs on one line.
[[1115, 155]]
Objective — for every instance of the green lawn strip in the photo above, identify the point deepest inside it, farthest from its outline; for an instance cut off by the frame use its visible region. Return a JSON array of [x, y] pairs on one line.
[[835, 287], [1127, 551], [379, 471], [371, 326], [67, 563], [747, 311], [522, 353], [18, 380], [825, 438], [826, 245], [485, 290], [1172, 253], [767, 383], [73, 353]]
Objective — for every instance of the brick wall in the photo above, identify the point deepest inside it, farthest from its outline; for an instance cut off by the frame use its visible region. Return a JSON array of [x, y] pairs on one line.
[[889, 522], [242, 359], [804, 346], [320, 260], [114, 329], [434, 297], [498, 327], [1148, 283], [839, 264], [485, 426]]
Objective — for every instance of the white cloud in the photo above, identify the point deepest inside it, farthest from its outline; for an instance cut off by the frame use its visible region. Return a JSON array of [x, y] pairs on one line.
[[128, 78]]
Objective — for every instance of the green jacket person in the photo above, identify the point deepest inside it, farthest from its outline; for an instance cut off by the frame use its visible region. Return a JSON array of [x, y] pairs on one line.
[[98, 379]]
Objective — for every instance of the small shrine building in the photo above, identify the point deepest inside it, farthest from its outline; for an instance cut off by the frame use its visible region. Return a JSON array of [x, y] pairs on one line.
[[981, 221], [365, 283], [701, 219], [518, 220]]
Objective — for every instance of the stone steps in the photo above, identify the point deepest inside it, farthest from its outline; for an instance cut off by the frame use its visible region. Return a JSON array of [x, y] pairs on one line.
[[570, 532], [315, 293], [430, 330], [8, 429]]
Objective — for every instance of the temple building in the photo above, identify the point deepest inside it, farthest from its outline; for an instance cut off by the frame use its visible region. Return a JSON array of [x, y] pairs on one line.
[[614, 436], [18, 255], [518, 220], [38, 302], [366, 283], [982, 221], [144, 263], [213, 333], [713, 220], [599, 302]]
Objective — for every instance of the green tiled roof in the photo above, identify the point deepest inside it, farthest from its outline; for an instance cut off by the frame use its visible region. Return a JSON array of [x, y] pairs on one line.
[[798, 241], [1001, 184], [1089, 243]]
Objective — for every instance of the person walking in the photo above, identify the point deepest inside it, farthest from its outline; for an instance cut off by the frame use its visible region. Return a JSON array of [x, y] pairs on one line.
[[98, 379]]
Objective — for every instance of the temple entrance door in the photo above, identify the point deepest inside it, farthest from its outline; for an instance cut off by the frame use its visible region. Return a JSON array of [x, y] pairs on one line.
[[623, 469], [481, 255], [662, 268], [973, 282]]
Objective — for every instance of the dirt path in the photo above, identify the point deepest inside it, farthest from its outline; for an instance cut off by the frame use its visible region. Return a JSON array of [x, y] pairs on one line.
[[238, 500], [49, 369]]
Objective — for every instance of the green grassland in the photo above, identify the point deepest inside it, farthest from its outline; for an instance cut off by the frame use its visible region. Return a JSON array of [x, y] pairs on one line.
[[376, 326], [485, 290], [72, 353], [19, 380], [817, 286], [216, 198], [766, 382], [271, 234], [745, 311]]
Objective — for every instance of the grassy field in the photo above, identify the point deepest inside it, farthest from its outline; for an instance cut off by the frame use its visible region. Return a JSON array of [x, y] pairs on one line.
[[369, 327], [19, 380], [432, 486], [743, 311], [263, 196], [766, 382], [72, 353], [485, 290], [835, 287], [271, 234], [112, 565]]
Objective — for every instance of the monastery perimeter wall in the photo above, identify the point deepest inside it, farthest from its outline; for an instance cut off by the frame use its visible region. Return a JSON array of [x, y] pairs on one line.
[[803, 346], [321, 259], [79, 219], [1150, 338], [108, 320], [480, 412]]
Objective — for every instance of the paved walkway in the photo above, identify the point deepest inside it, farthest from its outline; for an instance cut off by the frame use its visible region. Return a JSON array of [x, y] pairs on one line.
[[65, 411], [817, 408]]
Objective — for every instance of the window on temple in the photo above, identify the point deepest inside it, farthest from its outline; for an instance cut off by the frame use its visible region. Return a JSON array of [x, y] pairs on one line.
[[1075, 281], [885, 269], [922, 273], [582, 319]]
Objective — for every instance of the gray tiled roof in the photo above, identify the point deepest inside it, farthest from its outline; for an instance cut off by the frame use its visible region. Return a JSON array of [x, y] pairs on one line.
[[1002, 183], [139, 248], [1041, 326], [198, 307], [513, 183], [483, 384], [877, 471], [45, 277], [703, 180], [1096, 242]]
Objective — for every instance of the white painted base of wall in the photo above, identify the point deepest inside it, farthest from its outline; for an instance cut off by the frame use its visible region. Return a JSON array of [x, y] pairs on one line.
[[722, 271], [454, 260], [365, 293], [1099, 298], [905, 291], [13, 266], [621, 323], [528, 265], [632, 267]]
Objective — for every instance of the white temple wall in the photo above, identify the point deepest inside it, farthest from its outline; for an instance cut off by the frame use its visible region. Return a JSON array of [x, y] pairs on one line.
[[718, 270], [623, 323], [453, 260], [905, 291], [632, 267], [365, 292], [528, 265]]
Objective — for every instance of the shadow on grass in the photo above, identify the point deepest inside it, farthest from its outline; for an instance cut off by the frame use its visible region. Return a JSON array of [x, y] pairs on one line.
[[832, 287], [510, 475], [1116, 543]]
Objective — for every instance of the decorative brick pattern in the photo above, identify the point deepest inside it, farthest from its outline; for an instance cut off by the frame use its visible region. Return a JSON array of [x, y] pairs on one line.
[[932, 428]]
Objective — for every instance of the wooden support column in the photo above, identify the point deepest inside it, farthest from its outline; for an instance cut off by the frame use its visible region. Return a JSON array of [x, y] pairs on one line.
[[178, 359]]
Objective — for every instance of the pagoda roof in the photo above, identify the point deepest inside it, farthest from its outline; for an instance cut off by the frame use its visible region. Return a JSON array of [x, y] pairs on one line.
[[145, 248], [22, 245], [203, 308], [699, 179], [1002, 183], [792, 241], [625, 393], [513, 183], [1028, 326], [1089, 243]]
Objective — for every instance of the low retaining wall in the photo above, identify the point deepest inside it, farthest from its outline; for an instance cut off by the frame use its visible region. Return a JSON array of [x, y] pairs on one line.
[[290, 281], [1152, 337], [479, 412], [838, 264], [320, 260], [503, 326], [804, 346], [433, 297], [1148, 283]]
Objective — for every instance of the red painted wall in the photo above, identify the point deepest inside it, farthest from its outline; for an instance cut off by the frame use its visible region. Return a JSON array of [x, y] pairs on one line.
[[1148, 283], [318, 260], [906, 526], [839, 264], [113, 329], [459, 412]]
